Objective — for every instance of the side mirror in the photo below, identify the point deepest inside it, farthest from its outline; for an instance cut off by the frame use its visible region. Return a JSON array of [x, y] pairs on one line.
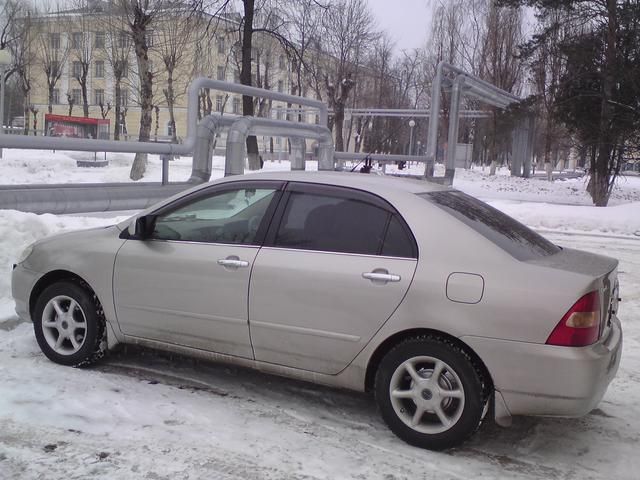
[[142, 227]]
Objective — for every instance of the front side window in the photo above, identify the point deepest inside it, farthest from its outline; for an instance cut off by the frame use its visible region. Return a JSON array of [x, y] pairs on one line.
[[231, 217], [341, 224]]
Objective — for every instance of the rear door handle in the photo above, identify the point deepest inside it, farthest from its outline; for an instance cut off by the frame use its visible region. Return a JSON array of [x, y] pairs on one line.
[[233, 262], [382, 277]]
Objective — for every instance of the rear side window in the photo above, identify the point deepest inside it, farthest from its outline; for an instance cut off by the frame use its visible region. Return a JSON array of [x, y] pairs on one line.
[[507, 233], [338, 224]]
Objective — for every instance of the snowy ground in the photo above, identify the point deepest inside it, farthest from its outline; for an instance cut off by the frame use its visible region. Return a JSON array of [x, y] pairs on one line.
[[143, 415]]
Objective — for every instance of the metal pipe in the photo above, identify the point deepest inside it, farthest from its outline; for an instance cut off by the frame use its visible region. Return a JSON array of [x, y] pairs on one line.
[[452, 140], [298, 149], [203, 148], [55, 143], [87, 197], [434, 121], [2, 87], [244, 126], [236, 143]]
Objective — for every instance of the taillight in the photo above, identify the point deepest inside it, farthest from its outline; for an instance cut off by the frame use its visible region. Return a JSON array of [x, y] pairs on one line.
[[580, 326]]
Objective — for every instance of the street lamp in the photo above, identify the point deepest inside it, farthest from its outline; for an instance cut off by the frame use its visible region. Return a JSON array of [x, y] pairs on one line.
[[412, 123], [5, 61]]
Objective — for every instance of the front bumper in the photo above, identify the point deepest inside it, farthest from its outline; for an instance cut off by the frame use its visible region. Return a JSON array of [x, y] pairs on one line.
[[536, 379], [22, 283]]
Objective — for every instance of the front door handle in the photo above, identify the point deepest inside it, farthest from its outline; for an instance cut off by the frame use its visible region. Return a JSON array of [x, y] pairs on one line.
[[381, 276], [233, 262]]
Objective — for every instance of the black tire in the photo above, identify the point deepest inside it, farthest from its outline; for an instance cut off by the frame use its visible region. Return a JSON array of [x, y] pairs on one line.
[[459, 374], [92, 339]]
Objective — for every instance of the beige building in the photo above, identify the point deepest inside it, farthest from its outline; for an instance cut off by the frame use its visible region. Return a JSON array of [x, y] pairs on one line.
[[98, 45]]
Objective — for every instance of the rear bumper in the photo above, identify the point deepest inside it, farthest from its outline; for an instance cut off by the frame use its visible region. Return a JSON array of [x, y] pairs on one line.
[[536, 379]]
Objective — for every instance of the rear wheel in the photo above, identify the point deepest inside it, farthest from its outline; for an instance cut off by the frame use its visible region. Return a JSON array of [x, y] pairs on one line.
[[69, 324], [430, 393]]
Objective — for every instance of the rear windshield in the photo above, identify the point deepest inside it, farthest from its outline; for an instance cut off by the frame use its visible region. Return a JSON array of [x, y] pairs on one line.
[[507, 233]]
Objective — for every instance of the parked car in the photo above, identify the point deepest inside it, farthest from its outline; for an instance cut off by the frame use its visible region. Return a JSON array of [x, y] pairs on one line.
[[438, 303]]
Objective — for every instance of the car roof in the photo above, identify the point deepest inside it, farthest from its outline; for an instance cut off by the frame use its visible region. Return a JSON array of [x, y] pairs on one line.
[[369, 182]]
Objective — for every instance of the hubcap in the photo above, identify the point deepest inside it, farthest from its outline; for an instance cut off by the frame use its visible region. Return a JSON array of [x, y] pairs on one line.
[[64, 325], [427, 394]]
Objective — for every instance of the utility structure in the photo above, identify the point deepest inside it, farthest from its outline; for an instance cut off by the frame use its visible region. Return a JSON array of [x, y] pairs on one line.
[[465, 84], [201, 136]]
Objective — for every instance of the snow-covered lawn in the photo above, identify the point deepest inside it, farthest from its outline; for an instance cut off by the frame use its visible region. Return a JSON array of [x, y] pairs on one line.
[[143, 415]]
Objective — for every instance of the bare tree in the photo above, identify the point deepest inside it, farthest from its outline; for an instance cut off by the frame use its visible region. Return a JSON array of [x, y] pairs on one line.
[[176, 39], [22, 47], [81, 48], [71, 102], [347, 33], [54, 51], [138, 16], [117, 52]]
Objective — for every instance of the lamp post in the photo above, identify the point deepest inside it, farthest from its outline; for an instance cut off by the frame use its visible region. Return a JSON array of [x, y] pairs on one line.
[[5, 61], [412, 123]]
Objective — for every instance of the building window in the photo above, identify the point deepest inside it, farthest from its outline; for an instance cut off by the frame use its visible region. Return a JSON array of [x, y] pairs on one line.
[[55, 97], [54, 41], [125, 68], [76, 96], [55, 68], [99, 43], [124, 97], [98, 94], [282, 62], [169, 129], [236, 76], [76, 69], [236, 105], [219, 103], [220, 75], [123, 39], [280, 86], [99, 69], [278, 141], [279, 113], [150, 38], [220, 44], [76, 40]]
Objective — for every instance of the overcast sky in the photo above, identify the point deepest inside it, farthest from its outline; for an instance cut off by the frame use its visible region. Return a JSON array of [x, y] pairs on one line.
[[406, 21]]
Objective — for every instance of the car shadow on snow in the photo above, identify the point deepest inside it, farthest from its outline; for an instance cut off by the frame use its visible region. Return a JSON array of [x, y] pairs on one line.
[[523, 448]]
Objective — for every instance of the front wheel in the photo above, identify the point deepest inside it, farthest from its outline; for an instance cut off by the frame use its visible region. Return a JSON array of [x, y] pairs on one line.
[[430, 393], [69, 324]]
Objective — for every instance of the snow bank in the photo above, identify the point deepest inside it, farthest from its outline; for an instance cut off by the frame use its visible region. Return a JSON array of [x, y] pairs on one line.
[[20, 229], [619, 219]]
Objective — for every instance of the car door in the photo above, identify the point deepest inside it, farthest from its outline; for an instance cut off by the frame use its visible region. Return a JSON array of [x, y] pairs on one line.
[[188, 283], [332, 271]]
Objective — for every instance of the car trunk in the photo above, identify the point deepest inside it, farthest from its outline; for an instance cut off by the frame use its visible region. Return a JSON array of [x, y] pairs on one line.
[[602, 274]]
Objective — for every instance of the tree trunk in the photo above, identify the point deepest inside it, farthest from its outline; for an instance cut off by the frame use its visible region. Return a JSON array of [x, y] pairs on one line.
[[117, 114], [170, 105], [599, 170], [50, 106], [338, 125], [85, 95], [139, 32], [245, 79]]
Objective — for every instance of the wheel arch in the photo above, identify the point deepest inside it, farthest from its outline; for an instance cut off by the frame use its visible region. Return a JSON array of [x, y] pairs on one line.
[[52, 277], [398, 337]]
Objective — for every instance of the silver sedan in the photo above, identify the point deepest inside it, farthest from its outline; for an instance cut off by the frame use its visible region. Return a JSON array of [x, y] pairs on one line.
[[436, 302]]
